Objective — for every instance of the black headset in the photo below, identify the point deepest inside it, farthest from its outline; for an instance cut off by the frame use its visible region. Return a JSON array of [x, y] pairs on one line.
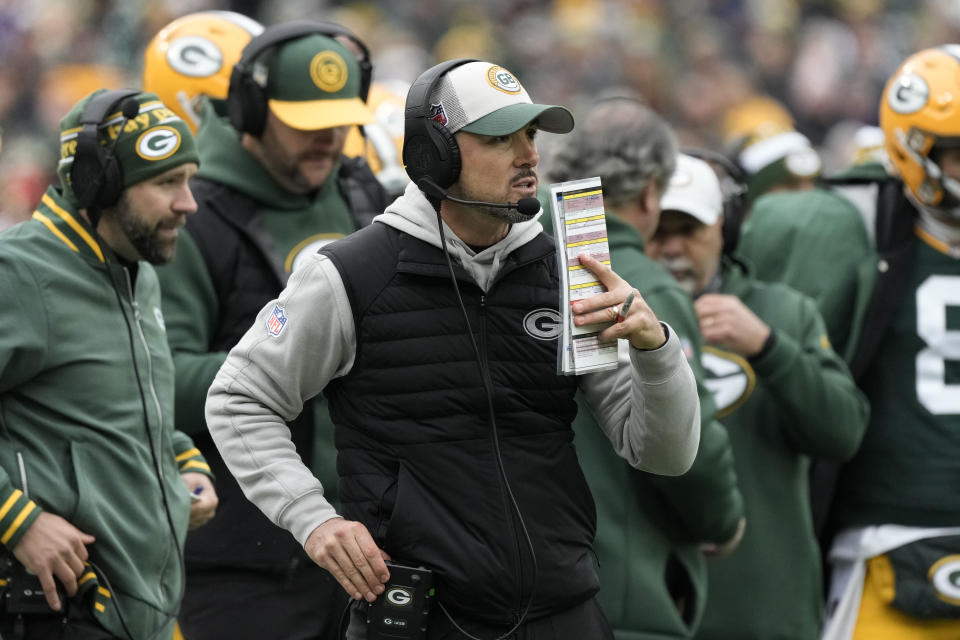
[[430, 152], [247, 98], [96, 177], [734, 189]]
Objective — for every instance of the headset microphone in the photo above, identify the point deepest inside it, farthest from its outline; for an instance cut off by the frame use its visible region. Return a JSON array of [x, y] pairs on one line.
[[527, 207], [129, 108]]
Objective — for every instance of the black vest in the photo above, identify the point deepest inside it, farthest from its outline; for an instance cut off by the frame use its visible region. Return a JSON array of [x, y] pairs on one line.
[[246, 274], [419, 462]]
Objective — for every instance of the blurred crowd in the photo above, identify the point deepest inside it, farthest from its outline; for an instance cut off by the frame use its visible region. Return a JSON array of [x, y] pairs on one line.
[[713, 68]]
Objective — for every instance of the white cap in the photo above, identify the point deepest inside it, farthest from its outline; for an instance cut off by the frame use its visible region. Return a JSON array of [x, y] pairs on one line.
[[694, 189], [484, 98], [794, 148]]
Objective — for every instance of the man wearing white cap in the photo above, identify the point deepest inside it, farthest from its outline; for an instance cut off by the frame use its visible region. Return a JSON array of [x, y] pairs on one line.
[[783, 395], [452, 424]]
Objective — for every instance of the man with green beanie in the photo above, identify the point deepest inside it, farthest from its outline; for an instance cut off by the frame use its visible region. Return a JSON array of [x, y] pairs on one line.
[[95, 484], [273, 188]]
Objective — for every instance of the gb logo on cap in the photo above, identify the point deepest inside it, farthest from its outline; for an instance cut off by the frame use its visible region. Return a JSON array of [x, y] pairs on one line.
[[502, 80], [158, 143]]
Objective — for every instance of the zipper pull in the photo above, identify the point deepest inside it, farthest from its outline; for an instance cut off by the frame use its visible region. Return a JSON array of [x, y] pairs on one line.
[[23, 475]]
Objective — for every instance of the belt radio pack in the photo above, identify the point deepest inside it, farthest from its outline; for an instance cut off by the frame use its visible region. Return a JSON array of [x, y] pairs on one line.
[[400, 613], [24, 594]]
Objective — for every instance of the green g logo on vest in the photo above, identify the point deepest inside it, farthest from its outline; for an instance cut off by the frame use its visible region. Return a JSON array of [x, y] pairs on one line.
[[158, 143]]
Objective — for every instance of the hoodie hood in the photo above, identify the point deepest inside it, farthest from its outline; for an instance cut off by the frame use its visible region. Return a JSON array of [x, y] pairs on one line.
[[413, 214], [224, 160]]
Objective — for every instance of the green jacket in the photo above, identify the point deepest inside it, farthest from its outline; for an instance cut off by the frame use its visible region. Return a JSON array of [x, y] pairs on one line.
[[86, 400], [794, 401], [792, 237], [649, 527]]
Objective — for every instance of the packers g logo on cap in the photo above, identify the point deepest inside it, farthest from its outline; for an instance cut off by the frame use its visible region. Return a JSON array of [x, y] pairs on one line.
[[502, 80], [328, 71], [194, 56], [158, 143]]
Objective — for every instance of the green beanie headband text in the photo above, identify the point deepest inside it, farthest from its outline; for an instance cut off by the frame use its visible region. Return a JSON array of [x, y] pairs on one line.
[[154, 141]]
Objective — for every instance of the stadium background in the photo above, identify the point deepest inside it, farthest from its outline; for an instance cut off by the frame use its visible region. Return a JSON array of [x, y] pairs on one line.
[[710, 66]]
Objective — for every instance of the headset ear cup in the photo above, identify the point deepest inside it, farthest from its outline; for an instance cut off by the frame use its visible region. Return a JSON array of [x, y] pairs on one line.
[[112, 184], [246, 103], [87, 162], [447, 169], [734, 215], [235, 99], [254, 106], [431, 151]]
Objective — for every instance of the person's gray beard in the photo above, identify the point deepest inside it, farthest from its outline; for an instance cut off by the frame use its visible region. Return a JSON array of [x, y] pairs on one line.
[[687, 283]]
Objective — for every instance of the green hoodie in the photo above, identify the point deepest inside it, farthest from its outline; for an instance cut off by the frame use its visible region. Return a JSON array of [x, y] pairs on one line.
[[647, 525], [295, 225], [94, 428], [795, 401], [815, 241]]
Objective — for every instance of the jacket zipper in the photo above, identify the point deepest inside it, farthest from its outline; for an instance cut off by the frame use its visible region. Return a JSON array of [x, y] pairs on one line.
[[501, 478], [153, 392], [159, 436]]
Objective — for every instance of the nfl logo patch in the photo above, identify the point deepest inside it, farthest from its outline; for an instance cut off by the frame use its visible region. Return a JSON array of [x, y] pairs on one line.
[[438, 114], [276, 321]]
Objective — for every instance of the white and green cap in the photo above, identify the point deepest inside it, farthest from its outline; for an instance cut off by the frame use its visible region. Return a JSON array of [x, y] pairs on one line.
[[481, 97]]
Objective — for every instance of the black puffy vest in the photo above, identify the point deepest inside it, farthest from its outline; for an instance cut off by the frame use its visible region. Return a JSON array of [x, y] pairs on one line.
[[246, 274], [418, 462]]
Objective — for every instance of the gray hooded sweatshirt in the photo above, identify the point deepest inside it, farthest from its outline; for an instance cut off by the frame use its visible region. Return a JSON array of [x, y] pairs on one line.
[[648, 406]]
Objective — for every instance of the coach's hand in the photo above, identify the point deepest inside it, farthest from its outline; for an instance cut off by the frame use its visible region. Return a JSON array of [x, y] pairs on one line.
[[204, 501], [346, 549], [639, 324], [52, 547]]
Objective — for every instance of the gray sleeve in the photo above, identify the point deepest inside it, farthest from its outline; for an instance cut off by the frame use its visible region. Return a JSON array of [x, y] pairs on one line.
[[649, 408], [264, 383]]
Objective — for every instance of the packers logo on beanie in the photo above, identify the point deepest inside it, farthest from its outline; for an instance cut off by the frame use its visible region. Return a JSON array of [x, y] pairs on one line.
[[153, 141]]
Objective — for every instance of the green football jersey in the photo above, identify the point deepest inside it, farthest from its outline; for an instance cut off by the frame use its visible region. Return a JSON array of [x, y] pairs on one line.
[[907, 470]]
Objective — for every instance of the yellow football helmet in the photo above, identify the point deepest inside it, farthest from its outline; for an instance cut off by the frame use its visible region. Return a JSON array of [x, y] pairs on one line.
[[919, 111], [758, 116], [382, 144], [194, 56]]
